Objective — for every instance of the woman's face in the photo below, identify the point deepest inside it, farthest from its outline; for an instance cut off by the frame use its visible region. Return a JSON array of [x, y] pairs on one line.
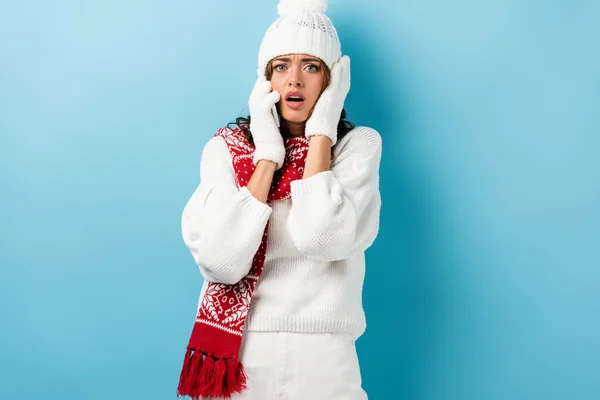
[[300, 79]]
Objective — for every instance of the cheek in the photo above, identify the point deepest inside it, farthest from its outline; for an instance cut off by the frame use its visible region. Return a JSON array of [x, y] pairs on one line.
[[314, 91], [277, 84]]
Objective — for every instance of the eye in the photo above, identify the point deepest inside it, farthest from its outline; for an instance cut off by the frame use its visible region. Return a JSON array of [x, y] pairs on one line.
[[279, 67], [312, 68]]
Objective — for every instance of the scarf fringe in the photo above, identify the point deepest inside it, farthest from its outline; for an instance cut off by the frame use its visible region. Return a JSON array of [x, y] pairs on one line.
[[204, 375]]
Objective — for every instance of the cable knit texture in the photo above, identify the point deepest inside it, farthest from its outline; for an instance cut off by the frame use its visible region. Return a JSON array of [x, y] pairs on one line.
[[302, 28], [315, 264]]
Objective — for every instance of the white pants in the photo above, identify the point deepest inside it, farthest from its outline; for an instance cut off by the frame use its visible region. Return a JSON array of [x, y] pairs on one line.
[[300, 366]]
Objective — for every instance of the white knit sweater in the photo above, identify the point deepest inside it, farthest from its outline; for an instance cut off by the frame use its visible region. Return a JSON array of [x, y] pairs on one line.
[[315, 265]]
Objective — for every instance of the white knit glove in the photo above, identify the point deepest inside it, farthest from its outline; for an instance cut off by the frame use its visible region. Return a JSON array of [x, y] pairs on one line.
[[264, 124], [328, 110]]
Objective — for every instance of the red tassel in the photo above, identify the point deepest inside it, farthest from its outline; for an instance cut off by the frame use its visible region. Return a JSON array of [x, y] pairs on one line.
[[184, 377], [189, 381], [185, 373], [194, 380], [231, 371], [236, 377], [204, 377], [207, 375], [220, 383]]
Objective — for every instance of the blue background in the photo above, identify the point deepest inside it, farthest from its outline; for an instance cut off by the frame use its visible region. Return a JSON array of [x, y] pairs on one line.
[[484, 281]]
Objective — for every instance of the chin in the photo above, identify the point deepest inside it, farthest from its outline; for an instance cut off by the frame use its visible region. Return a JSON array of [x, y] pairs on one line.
[[295, 117]]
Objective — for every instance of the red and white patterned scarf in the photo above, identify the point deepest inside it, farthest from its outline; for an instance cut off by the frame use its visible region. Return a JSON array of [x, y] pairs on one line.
[[211, 367]]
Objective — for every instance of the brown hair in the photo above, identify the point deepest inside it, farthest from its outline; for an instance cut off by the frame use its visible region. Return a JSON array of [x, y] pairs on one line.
[[344, 126]]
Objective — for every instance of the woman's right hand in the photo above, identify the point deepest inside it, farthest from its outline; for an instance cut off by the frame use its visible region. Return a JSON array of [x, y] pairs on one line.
[[263, 125]]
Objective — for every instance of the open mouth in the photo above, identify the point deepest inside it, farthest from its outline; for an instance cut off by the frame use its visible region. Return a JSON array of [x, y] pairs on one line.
[[294, 100]]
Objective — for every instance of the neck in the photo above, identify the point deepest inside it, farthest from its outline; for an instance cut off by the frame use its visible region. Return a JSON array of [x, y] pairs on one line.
[[291, 129]]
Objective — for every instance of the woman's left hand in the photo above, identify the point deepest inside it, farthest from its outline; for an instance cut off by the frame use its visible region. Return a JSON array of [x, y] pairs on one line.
[[328, 110]]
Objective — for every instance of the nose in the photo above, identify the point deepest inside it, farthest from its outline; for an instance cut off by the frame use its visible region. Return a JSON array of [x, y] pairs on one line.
[[295, 77]]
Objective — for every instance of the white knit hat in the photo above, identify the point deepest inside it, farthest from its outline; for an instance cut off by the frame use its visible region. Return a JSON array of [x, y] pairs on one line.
[[302, 28]]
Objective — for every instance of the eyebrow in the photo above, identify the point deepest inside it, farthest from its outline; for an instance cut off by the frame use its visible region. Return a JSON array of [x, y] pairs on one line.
[[286, 59]]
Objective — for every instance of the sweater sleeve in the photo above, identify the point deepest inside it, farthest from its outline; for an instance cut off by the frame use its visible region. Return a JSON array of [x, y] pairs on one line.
[[335, 213], [222, 225]]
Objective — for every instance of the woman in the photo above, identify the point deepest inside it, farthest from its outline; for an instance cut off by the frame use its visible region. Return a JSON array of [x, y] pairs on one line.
[[287, 204]]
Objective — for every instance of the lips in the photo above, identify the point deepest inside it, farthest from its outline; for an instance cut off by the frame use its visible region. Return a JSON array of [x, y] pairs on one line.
[[294, 100]]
